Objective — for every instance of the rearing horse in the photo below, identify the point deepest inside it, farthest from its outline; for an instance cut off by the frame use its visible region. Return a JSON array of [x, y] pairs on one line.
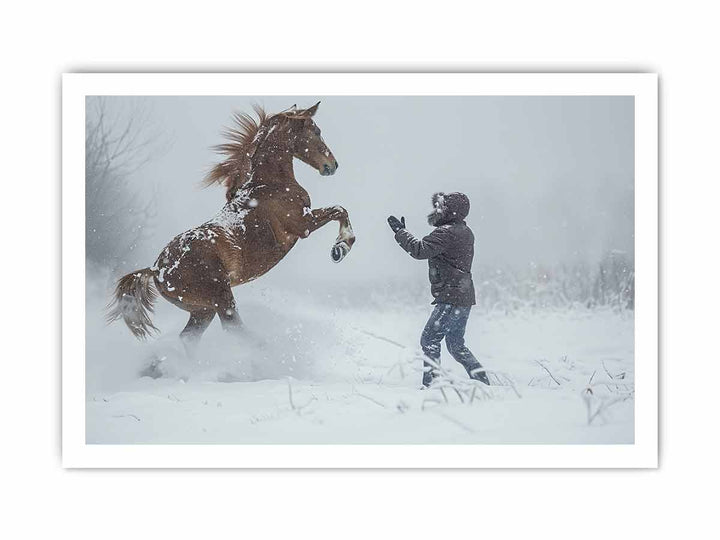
[[267, 211]]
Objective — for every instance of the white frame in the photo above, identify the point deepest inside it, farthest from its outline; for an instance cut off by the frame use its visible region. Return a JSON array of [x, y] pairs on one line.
[[643, 453]]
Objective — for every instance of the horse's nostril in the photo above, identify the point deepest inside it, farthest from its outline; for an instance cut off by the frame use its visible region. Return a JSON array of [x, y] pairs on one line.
[[336, 165], [328, 169]]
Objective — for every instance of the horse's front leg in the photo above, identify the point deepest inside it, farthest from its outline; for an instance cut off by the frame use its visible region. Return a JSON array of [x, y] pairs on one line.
[[345, 238]]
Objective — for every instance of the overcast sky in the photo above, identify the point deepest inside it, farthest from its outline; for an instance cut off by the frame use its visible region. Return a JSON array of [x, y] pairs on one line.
[[550, 179]]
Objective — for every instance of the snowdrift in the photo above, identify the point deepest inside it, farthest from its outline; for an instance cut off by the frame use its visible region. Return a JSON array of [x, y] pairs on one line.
[[344, 368]]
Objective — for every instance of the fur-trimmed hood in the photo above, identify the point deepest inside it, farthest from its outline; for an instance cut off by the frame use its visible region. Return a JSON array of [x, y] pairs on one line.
[[448, 208], [449, 250]]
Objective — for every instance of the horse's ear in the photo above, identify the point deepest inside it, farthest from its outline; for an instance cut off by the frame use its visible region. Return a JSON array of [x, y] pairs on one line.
[[312, 110], [291, 112]]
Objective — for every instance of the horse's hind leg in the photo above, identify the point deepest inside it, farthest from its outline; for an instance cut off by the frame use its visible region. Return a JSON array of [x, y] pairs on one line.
[[224, 303], [230, 318], [232, 323], [194, 329]]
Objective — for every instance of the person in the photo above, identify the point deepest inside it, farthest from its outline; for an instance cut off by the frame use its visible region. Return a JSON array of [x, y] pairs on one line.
[[449, 250]]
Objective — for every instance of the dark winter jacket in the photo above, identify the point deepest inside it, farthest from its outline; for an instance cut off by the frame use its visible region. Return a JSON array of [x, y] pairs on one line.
[[449, 250]]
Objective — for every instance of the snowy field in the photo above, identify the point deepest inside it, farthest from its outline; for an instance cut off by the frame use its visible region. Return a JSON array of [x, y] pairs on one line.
[[330, 354], [319, 369]]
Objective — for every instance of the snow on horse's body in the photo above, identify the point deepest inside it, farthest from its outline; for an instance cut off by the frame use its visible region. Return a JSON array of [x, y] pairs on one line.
[[266, 213]]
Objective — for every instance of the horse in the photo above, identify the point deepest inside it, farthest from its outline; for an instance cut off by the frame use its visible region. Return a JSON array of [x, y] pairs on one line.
[[266, 212]]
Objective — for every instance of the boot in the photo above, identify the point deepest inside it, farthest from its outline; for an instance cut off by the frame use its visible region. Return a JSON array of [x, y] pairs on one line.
[[428, 378], [478, 374]]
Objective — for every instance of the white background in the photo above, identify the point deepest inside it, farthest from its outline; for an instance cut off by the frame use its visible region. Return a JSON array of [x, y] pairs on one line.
[[39, 42]]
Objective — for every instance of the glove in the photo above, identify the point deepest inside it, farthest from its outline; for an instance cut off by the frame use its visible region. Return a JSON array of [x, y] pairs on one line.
[[396, 224]]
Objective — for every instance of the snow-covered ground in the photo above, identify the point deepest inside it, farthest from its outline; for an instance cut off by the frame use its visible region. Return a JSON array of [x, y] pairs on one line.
[[319, 369]]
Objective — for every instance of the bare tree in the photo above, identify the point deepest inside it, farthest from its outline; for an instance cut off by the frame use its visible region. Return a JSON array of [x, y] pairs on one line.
[[116, 216]]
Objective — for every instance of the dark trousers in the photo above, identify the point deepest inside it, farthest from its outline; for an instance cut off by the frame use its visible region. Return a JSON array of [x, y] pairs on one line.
[[449, 322]]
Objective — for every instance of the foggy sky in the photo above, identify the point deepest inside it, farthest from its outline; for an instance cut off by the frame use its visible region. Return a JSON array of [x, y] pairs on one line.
[[550, 179]]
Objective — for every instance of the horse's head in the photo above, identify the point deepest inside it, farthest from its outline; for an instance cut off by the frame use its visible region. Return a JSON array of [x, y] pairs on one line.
[[306, 143], [250, 142]]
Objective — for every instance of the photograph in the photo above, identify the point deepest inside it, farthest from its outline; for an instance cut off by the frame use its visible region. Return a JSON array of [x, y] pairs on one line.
[[360, 270], [368, 270]]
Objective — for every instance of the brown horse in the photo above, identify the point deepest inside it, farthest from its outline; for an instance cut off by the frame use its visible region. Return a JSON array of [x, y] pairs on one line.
[[267, 211]]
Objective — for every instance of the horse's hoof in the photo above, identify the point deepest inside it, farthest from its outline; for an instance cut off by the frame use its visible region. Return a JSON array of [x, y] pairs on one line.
[[339, 251], [154, 369]]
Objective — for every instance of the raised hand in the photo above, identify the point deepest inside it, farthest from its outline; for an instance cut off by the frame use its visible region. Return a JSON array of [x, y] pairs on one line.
[[396, 224]]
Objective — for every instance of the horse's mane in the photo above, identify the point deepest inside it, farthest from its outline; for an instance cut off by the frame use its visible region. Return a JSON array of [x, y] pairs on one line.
[[242, 140]]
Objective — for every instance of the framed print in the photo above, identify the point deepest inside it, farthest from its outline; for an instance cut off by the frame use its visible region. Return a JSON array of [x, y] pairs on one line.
[[415, 270]]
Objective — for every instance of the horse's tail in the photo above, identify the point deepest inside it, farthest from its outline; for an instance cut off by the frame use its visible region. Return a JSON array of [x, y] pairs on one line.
[[133, 301]]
